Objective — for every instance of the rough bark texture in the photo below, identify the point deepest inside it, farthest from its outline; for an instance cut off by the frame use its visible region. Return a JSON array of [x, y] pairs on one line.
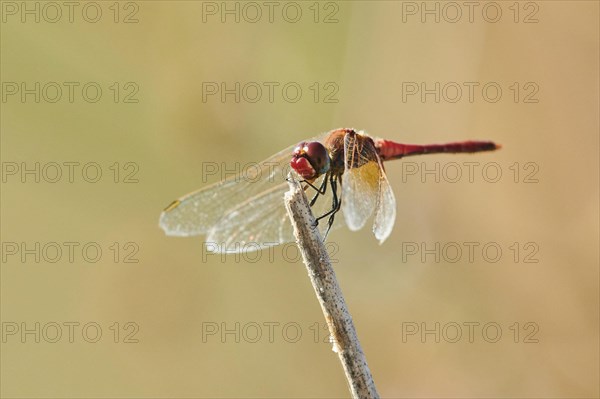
[[329, 294]]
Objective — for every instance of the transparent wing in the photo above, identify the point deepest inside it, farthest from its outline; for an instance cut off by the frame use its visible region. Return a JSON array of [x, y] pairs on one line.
[[197, 212], [248, 207], [260, 222], [360, 181], [385, 215], [365, 188]]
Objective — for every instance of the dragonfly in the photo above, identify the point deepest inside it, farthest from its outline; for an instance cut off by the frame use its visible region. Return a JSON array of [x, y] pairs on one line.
[[344, 170]]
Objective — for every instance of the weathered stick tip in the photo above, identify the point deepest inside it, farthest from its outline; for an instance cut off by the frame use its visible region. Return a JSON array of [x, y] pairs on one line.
[[322, 276]]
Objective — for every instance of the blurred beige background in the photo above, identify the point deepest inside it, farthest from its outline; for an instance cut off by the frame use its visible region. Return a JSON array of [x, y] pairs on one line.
[[173, 295]]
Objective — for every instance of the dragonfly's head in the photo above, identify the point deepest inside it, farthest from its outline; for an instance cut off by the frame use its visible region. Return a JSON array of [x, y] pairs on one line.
[[310, 160]]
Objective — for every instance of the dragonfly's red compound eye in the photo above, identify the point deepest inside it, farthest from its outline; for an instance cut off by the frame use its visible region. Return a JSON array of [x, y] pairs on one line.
[[310, 160], [317, 156]]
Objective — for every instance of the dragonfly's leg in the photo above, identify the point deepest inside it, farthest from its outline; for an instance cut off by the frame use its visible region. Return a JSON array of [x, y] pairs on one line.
[[336, 207], [320, 191], [308, 184], [334, 204], [333, 210]]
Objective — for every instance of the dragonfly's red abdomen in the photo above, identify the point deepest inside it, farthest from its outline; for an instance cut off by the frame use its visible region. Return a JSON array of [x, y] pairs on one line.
[[391, 150]]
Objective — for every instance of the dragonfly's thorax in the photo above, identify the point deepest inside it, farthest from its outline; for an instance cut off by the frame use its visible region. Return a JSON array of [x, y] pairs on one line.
[[335, 145], [313, 159]]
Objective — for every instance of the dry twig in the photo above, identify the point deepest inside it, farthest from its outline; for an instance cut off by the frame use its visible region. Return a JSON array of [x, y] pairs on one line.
[[329, 294]]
